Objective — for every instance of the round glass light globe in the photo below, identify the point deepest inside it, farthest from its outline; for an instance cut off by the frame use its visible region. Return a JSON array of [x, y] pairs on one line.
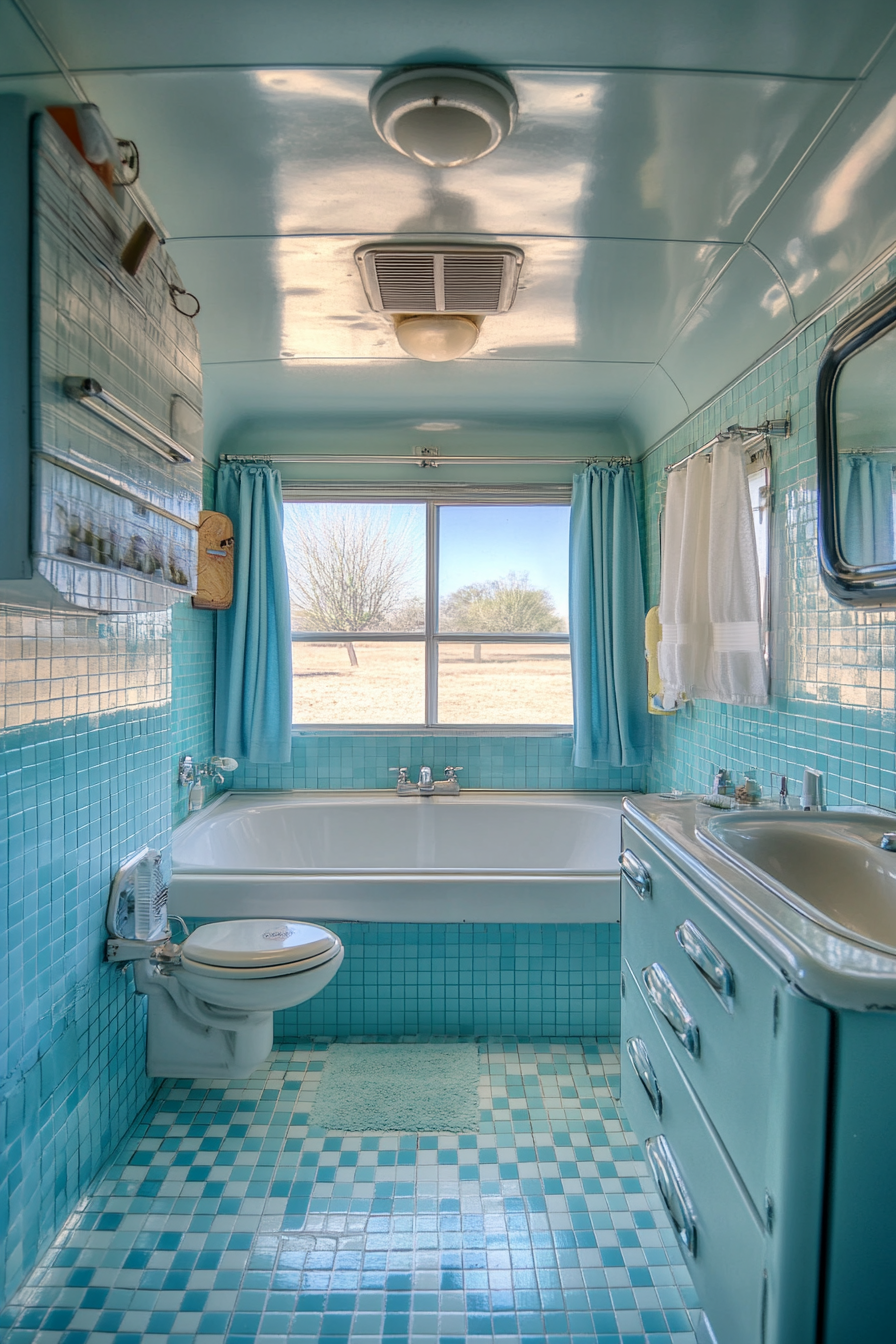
[[442, 116], [437, 337]]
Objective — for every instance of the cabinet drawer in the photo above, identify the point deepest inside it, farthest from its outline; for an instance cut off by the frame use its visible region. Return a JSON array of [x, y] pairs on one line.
[[715, 1000], [727, 1259]]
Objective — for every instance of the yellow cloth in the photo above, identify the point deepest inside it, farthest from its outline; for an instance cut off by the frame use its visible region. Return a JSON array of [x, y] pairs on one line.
[[653, 633]]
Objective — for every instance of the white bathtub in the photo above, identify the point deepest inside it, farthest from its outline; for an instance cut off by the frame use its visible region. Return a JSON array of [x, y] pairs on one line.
[[478, 858]]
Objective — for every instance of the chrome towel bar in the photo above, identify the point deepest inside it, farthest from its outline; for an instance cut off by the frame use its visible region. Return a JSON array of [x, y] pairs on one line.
[[91, 394]]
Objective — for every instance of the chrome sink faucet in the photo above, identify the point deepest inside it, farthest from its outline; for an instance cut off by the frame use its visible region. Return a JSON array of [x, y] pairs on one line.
[[425, 785]]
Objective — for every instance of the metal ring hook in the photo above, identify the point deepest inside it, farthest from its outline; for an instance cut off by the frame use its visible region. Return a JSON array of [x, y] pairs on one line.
[[175, 291]]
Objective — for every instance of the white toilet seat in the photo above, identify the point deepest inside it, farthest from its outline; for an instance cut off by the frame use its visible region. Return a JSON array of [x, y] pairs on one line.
[[228, 973], [257, 946]]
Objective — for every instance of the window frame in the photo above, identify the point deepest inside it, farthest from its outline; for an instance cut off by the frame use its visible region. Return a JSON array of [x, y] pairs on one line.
[[434, 498]]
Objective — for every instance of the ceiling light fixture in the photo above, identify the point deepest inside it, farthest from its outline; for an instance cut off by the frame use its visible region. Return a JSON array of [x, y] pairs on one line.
[[443, 116], [437, 337]]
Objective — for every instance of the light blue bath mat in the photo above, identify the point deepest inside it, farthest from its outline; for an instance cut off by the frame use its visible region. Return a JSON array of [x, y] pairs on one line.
[[409, 1087]]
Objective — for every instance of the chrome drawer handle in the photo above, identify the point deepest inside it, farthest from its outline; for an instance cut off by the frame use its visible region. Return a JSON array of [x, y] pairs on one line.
[[663, 993], [636, 873], [708, 960], [673, 1192], [640, 1062]]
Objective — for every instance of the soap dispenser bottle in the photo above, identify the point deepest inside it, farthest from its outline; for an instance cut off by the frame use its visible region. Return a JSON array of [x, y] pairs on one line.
[[196, 796]]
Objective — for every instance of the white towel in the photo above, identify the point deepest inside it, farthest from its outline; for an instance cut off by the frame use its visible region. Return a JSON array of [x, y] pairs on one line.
[[709, 590], [740, 673]]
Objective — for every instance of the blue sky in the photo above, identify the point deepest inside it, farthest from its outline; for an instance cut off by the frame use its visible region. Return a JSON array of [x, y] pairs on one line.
[[481, 543]]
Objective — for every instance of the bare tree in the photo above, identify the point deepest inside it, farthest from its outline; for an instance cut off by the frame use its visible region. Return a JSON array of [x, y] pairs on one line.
[[496, 606], [351, 568]]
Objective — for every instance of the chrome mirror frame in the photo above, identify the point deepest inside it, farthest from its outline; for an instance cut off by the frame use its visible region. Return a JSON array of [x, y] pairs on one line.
[[858, 586]]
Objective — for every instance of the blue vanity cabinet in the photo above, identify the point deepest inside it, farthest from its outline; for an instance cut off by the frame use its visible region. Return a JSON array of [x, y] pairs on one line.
[[740, 1060], [718, 1228]]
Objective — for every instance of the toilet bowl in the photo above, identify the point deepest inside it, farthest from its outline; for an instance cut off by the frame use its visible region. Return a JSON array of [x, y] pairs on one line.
[[211, 999]]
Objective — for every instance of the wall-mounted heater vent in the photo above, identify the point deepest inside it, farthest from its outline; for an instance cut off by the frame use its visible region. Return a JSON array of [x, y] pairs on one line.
[[425, 279]]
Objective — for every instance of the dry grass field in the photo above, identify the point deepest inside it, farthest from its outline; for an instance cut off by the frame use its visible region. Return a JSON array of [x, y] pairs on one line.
[[511, 683]]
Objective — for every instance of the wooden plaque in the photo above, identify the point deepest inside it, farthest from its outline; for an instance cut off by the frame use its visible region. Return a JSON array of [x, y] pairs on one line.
[[214, 588]]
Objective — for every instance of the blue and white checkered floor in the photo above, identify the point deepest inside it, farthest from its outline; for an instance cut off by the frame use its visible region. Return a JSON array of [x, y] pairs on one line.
[[225, 1217]]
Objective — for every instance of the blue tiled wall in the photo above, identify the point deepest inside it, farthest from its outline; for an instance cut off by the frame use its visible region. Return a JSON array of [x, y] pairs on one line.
[[192, 681], [85, 737], [363, 761], [192, 695], [467, 979], [833, 703]]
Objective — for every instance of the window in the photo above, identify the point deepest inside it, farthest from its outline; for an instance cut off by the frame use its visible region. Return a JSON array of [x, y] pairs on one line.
[[419, 613]]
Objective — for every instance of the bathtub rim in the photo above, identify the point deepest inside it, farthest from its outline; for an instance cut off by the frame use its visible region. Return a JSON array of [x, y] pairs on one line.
[[556, 796], [455, 896]]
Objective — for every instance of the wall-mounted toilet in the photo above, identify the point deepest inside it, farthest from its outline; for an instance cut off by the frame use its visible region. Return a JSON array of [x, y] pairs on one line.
[[211, 999]]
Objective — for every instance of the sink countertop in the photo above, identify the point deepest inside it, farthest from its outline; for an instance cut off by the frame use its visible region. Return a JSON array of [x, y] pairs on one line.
[[833, 969]]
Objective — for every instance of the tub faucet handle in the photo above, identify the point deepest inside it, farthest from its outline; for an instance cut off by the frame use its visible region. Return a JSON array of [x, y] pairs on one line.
[[452, 771], [401, 771]]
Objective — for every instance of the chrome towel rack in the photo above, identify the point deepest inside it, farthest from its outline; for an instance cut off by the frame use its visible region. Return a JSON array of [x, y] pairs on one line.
[[92, 395], [767, 430]]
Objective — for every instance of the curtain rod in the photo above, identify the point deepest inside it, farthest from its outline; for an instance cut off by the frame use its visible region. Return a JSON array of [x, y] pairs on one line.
[[430, 459], [768, 429]]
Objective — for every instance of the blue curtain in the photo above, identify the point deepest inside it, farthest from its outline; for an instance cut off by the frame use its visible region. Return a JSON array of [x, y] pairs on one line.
[[253, 677], [606, 621], [866, 509]]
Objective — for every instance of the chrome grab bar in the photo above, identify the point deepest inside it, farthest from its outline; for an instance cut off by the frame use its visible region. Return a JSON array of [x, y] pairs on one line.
[[635, 872], [640, 1062], [673, 1191], [663, 993], [708, 960], [88, 392]]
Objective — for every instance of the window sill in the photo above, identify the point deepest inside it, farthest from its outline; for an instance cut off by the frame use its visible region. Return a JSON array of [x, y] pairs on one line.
[[440, 730]]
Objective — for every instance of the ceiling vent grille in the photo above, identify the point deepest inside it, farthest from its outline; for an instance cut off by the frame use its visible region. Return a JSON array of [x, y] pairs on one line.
[[425, 279]]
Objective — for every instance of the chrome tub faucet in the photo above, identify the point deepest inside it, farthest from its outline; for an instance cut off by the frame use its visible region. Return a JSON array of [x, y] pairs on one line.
[[426, 786]]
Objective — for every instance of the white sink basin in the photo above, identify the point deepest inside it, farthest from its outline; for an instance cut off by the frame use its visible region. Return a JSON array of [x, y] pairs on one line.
[[829, 865]]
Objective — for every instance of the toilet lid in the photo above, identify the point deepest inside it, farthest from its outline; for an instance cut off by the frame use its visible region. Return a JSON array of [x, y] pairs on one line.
[[257, 942]]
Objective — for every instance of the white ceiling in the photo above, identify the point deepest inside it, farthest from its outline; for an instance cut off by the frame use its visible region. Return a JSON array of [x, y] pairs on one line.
[[687, 184]]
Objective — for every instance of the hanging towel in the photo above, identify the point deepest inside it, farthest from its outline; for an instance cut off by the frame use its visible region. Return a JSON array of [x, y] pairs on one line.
[[686, 648], [710, 603], [739, 674], [653, 633]]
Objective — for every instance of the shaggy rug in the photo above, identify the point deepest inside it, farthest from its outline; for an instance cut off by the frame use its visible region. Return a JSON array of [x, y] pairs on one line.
[[413, 1088]]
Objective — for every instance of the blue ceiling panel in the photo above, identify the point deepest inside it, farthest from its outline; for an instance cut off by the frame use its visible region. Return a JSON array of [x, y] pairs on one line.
[[746, 312], [337, 390], [841, 213], [630, 154], [816, 38], [20, 51], [656, 406], [686, 181], [605, 299]]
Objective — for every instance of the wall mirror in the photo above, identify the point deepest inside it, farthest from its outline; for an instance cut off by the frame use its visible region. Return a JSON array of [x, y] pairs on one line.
[[856, 418]]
